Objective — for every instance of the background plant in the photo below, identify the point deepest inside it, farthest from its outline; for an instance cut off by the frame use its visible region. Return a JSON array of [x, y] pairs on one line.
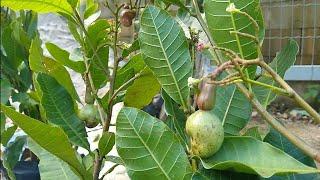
[[161, 59]]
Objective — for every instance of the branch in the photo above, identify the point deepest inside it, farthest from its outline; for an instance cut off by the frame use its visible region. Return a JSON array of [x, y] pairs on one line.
[[275, 124], [278, 126], [115, 67]]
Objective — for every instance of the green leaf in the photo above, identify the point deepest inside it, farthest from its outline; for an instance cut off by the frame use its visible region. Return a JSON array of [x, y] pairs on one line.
[[14, 52], [51, 138], [232, 108], [88, 162], [2, 122], [280, 64], [40, 6], [7, 134], [91, 10], [5, 90], [124, 76], [50, 166], [176, 119], [97, 32], [165, 51], [248, 155], [73, 3], [99, 66], [148, 147], [74, 31], [114, 159], [209, 174], [254, 132], [97, 38], [59, 109], [62, 56], [277, 140], [136, 63], [142, 91], [39, 63], [106, 143], [221, 22], [12, 155]]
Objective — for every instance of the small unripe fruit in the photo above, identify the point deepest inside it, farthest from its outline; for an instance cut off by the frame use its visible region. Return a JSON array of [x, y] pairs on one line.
[[207, 97], [206, 133], [89, 113]]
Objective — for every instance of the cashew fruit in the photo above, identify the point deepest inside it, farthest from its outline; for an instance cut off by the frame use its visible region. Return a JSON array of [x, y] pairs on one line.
[[206, 133], [126, 17], [89, 113], [207, 97]]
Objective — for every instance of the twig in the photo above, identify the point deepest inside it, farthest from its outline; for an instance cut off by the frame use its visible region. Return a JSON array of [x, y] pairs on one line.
[[295, 95], [115, 67], [273, 88], [246, 35], [110, 170], [225, 81], [123, 86], [219, 70]]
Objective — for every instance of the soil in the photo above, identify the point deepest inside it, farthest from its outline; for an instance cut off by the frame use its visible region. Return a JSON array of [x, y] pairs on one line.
[[298, 123]]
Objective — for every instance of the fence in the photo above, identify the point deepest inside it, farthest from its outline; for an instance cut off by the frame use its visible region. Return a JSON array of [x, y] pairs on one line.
[[299, 20]]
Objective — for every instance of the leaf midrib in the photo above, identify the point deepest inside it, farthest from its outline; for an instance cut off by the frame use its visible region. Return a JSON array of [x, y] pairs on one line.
[[228, 107], [237, 37], [167, 60], [146, 146]]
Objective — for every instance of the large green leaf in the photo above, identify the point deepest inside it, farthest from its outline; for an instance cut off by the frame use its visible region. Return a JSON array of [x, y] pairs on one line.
[[233, 109], [51, 138], [99, 66], [248, 155], [283, 61], [50, 166], [62, 56], [148, 147], [221, 23], [40, 6], [276, 139], [165, 51], [39, 63], [59, 109], [142, 91], [106, 143], [97, 39], [13, 50]]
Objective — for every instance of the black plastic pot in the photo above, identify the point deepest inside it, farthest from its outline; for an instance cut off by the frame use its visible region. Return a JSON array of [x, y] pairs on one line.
[[24, 170], [27, 170], [154, 107]]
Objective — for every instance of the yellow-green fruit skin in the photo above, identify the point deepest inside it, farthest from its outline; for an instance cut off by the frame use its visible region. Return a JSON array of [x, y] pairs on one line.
[[206, 133], [89, 113]]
